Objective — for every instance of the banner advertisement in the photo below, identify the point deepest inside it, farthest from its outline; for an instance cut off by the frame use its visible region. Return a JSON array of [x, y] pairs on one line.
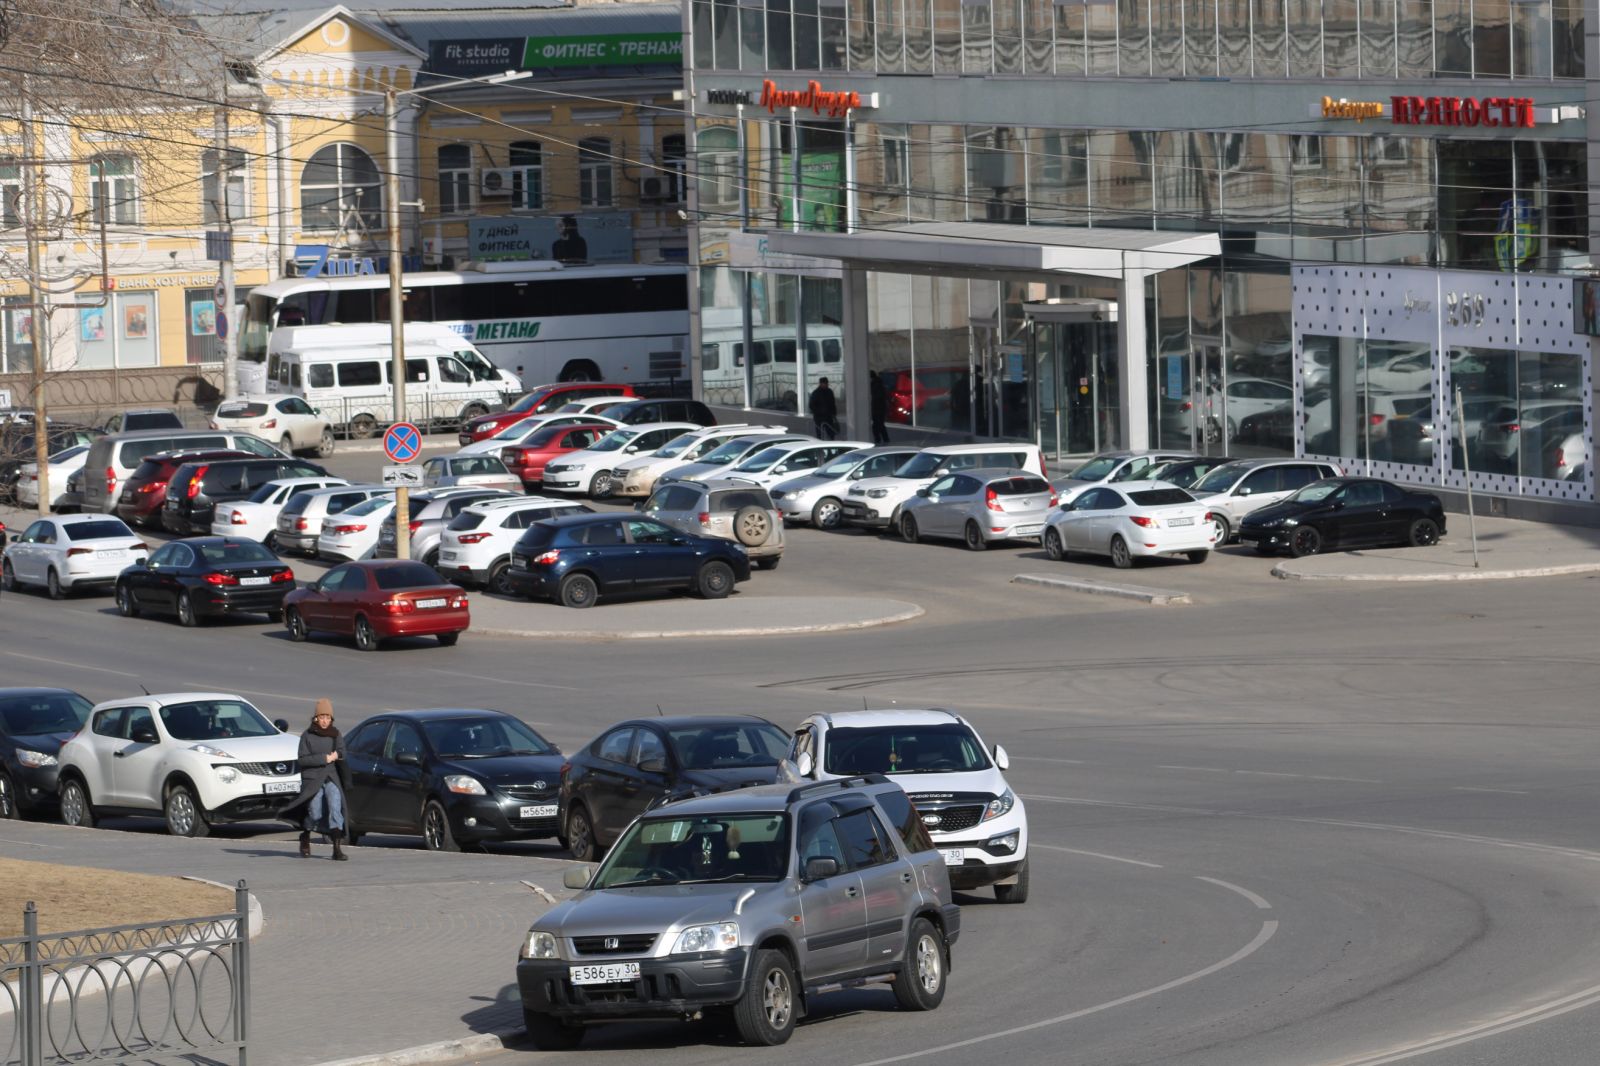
[[605, 237]]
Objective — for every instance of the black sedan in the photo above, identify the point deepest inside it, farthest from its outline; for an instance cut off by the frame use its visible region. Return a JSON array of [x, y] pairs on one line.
[[637, 765], [206, 577], [1345, 512], [34, 723], [577, 559], [457, 778]]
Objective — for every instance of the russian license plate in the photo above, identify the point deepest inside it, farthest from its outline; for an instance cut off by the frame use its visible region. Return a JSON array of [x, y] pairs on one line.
[[440, 602], [386, 537], [544, 810], [611, 973], [112, 553], [273, 788], [521, 562], [954, 856], [1027, 531], [1180, 522], [255, 581], [448, 555]]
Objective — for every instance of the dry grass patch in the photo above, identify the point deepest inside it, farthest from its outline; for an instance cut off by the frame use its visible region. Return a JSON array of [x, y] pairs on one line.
[[77, 897]]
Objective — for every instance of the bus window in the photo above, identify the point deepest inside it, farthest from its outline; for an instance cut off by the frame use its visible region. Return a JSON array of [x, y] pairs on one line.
[[294, 375], [360, 374], [352, 306], [832, 351], [784, 351], [446, 303], [320, 375], [710, 357]]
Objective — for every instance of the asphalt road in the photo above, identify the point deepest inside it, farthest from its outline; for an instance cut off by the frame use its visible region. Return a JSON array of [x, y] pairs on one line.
[[1285, 826]]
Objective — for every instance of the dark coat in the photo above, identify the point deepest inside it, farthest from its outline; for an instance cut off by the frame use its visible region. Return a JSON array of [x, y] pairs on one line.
[[879, 399], [823, 406], [315, 770]]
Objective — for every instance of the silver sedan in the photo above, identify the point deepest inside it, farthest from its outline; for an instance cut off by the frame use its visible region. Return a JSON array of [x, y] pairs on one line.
[[978, 506], [814, 497]]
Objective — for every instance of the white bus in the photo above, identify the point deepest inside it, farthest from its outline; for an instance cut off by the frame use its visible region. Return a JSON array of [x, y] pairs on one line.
[[774, 370], [540, 320]]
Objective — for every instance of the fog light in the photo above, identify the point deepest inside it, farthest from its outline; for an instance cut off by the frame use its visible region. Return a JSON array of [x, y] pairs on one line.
[[473, 821], [1004, 842]]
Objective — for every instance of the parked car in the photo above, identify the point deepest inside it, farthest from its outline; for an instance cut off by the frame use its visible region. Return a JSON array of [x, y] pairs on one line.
[[781, 461], [34, 723], [205, 577], [1131, 521], [636, 765], [112, 458], [1249, 396], [815, 497], [60, 468], [431, 511], [529, 459], [874, 503], [456, 778], [638, 476], [577, 559], [720, 461], [1536, 452], [484, 471], [1109, 467], [198, 486], [353, 534], [520, 432], [957, 785], [979, 506], [142, 418], [1345, 512], [256, 517], [544, 399], [376, 601], [197, 759], [475, 548], [589, 471], [301, 520], [753, 901], [63, 553], [289, 421], [1179, 472], [1233, 490], [639, 412], [19, 448], [1567, 457], [587, 404], [1499, 435], [143, 494], [727, 509]]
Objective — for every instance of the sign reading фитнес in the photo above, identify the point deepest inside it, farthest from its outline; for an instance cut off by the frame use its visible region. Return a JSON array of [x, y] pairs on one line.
[[603, 50]]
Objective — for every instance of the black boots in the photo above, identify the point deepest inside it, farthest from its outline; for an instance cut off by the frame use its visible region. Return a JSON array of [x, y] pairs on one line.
[[305, 844], [337, 836]]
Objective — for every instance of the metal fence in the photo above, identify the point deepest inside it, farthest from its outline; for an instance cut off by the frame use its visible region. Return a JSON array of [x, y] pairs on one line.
[[129, 993]]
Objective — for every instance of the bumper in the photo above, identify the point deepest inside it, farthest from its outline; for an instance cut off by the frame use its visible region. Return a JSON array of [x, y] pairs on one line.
[[36, 788], [252, 601], [294, 541], [422, 624], [532, 584], [254, 808], [856, 513], [975, 873], [462, 573], [566, 481], [138, 516], [1172, 546], [489, 818], [1030, 529], [666, 988]]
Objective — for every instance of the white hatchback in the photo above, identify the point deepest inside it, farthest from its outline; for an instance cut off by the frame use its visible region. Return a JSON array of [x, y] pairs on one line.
[[65, 552], [589, 470], [1131, 520], [353, 534], [475, 548], [287, 421], [256, 518]]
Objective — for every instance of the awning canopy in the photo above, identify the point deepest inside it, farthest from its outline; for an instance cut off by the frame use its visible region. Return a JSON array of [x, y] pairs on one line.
[[976, 249]]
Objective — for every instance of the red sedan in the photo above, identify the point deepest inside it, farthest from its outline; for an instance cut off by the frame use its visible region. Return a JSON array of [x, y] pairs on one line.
[[542, 400], [377, 600], [528, 459]]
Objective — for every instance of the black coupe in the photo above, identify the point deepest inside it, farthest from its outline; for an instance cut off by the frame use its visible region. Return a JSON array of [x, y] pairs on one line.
[[1345, 512]]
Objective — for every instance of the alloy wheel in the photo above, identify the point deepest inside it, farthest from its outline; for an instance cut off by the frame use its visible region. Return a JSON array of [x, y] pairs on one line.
[[777, 997], [929, 965]]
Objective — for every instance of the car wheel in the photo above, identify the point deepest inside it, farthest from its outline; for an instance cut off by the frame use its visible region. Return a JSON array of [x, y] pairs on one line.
[[8, 799], [363, 426], [908, 528], [125, 605], [431, 559], [1199, 556], [1017, 893], [473, 410], [184, 816], [436, 835], [500, 579], [920, 983], [580, 835], [765, 1013], [270, 542], [286, 445], [769, 563], [186, 615], [75, 807], [366, 636], [826, 512], [1121, 558], [1221, 529], [52, 585], [752, 526], [1424, 533], [551, 1034], [602, 485], [1306, 541], [715, 581], [577, 590], [1054, 547], [295, 625], [8, 577], [449, 639], [974, 537], [325, 444]]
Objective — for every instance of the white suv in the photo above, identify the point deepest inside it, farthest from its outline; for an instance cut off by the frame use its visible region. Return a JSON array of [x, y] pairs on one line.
[[875, 502], [956, 784], [590, 469], [196, 758], [637, 476], [475, 548]]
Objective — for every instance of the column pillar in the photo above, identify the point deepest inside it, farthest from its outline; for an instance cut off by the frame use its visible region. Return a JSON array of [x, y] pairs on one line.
[[857, 371], [1133, 389]]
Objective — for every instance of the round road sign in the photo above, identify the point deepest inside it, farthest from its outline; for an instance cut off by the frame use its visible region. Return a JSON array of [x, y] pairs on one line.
[[402, 442]]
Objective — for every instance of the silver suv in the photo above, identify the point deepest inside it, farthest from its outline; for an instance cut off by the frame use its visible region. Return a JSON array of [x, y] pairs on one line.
[[431, 512], [752, 901], [726, 508]]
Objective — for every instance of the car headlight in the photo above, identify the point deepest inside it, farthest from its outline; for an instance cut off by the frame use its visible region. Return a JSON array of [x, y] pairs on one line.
[[1290, 522], [877, 494], [538, 945], [207, 749], [554, 468], [1000, 805], [465, 784], [701, 938], [226, 774], [779, 495], [33, 760]]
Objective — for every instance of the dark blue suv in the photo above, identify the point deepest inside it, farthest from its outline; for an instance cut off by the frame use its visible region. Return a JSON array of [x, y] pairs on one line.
[[577, 559]]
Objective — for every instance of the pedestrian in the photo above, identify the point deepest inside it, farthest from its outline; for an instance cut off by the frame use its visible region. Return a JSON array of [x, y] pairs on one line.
[[324, 779], [880, 412], [824, 411]]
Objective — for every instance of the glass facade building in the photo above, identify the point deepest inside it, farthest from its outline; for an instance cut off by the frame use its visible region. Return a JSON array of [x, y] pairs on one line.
[[1355, 180]]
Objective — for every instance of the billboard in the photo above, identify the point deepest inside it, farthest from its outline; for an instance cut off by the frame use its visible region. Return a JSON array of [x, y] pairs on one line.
[[603, 237]]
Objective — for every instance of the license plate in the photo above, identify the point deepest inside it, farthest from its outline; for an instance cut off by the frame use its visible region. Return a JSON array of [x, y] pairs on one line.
[[386, 538], [273, 788], [112, 553], [544, 810], [521, 562], [1180, 522], [447, 555], [255, 581], [954, 856], [605, 975], [432, 603], [1027, 531]]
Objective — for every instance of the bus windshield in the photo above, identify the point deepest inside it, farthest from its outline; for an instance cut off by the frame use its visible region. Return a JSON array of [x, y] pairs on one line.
[[481, 368]]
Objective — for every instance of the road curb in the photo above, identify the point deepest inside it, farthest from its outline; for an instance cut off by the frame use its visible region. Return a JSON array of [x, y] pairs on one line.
[[253, 920], [441, 1051], [913, 611], [1464, 575], [1155, 597]]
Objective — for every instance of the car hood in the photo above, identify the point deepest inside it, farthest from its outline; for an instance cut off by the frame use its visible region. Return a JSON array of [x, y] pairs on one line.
[[284, 747], [940, 787], [48, 743], [647, 908], [506, 770], [804, 483], [694, 470], [1277, 512]]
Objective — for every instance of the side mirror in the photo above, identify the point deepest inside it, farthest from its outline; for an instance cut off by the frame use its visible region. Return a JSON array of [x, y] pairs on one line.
[[145, 736], [281, 724], [924, 493], [1245, 490], [819, 868], [805, 764], [408, 758], [316, 410], [654, 766], [639, 506], [575, 877], [1001, 759]]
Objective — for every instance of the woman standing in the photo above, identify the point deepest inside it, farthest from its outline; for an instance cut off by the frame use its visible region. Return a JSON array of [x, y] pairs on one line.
[[324, 777]]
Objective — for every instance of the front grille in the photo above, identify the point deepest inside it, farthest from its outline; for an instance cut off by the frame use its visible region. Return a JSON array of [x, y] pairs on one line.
[[287, 768], [620, 475], [952, 819], [627, 944], [529, 792]]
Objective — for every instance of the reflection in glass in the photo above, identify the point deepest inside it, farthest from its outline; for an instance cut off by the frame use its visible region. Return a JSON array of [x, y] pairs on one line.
[[1038, 32], [774, 316], [1328, 209], [807, 55], [835, 33], [891, 36], [1340, 54], [1550, 412], [1255, 192], [1233, 38], [883, 173], [1567, 38], [1305, 38], [1414, 38], [1399, 206], [943, 374], [780, 36], [1200, 38], [1269, 36], [1452, 36], [1532, 39], [725, 27], [1475, 190], [752, 37], [1120, 175], [1070, 56], [822, 310], [977, 44], [1101, 29], [1491, 36], [1007, 36], [1058, 177], [1133, 37], [1166, 35], [1175, 424], [1395, 407], [700, 28], [862, 53], [919, 37], [1377, 38], [723, 366], [995, 175], [1260, 363], [889, 342]]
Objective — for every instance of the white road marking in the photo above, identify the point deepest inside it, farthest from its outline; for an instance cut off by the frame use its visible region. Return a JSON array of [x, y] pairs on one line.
[[1265, 934], [1502, 791], [1115, 803], [1200, 769], [74, 666], [1041, 758], [36, 844], [1260, 903], [1093, 854]]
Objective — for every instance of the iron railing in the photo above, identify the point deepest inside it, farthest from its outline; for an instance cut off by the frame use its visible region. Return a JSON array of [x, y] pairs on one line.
[[129, 993]]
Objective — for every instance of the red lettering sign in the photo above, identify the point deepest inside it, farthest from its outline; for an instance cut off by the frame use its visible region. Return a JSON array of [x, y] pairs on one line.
[[812, 98], [1461, 111]]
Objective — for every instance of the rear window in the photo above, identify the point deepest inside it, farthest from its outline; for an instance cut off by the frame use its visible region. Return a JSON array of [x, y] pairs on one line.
[[148, 470], [405, 576], [297, 503], [466, 520], [240, 551], [152, 420], [132, 452], [536, 536], [1160, 497], [1019, 486], [96, 530], [733, 499], [241, 410]]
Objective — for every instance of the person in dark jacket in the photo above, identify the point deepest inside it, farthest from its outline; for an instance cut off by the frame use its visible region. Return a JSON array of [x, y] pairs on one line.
[[324, 781], [880, 411], [824, 411]]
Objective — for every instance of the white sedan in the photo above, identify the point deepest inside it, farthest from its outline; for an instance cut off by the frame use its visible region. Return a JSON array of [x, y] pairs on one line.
[[353, 534], [71, 551], [1130, 521], [519, 432], [256, 518], [287, 421], [62, 465], [768, 466]]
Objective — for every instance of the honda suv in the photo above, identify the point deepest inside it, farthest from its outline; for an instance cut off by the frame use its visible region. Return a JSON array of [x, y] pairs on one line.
[[727, 509], [755, 901]]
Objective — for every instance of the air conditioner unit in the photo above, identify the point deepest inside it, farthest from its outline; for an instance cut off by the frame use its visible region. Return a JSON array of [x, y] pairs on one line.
[[653, 190], [495, 182]]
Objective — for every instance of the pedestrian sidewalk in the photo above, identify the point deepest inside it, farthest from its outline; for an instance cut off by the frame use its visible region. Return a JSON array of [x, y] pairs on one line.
[[1507, 548]]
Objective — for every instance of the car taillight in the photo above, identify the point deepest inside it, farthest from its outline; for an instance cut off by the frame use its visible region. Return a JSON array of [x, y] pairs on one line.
[[472, 538], [271, 423], [546, 558], [416, 525], [1374, 420], [705, 518], [991, 500], [349, 529], [1561, 457], [136, 546], [300, 523], [236, 518], [1513, 428], [221, 579], [398, 606], [1143, 521], [516, 456], [1055, 497], [1186, 406], [152, 487], [79, 551], [283, 575], [459, 602], [194, 482], [111, 480], [1210, 517]]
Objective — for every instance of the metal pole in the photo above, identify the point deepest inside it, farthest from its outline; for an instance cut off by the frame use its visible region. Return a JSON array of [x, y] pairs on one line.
[[397, 328], [241, 979], [1466, 466], [31, 994], [230, 343], [33, 204]]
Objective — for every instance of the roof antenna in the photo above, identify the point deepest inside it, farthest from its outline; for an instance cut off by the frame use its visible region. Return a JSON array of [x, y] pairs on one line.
[[863, 703], [146, 691], [659, 712]]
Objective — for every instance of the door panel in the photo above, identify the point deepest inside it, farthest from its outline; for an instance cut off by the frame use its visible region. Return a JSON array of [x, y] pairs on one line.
[[134, 766]]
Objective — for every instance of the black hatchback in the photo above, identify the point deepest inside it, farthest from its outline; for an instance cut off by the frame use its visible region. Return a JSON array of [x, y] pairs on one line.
[[34, 723], [1345, 512], [457, 778], [195, 488], [206, 577]]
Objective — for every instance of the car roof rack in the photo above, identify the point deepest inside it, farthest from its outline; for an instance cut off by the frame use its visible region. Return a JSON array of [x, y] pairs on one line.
[[858, 781]]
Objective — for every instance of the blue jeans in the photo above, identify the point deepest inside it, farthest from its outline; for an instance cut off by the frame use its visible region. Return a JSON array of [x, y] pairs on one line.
[[327, 809]]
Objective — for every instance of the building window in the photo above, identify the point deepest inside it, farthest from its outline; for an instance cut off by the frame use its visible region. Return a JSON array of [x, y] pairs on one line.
[[455, 179], [717, 160], [527, 175], [11, 206], [674, 150], [896, 158], [1391, 151], [1305, 152], [114, 190], [594, 172], [340, 189], [233, 171]]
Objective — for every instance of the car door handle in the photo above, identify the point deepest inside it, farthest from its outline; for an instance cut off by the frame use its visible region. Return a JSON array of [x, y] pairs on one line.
[[118, 754], [852, 892], [905, 876]]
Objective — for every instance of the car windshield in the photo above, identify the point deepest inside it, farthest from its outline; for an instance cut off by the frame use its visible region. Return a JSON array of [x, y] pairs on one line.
[[698, 850], [514, 431], [484, 738], [723, 747], [938, 748], [675, 446], [614, 440], [215, 720], [43, 712], [406, 576], [761, 460], [96, 529], [730, 451], [923, 464], [1096, 469], [842, 465], [377, 503], [1219, 480], [1317, 490], [235, 551]]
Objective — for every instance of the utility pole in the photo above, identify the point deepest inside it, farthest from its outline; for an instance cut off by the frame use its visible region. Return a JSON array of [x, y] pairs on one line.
[[39, 333], [397, 322], [230, 339]]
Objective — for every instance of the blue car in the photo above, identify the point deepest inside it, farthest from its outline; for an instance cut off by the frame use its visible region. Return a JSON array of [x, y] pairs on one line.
[[577, 559]]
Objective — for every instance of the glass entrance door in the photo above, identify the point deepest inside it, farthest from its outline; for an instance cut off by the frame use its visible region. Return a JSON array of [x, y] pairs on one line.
[[1076, 372]]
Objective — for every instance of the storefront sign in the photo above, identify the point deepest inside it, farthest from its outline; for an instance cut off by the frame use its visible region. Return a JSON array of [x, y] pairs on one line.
[[1462, 111], [728, 97], [466, 58], [314, 261], [1360, 110], [815, 98], [598, 238]]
